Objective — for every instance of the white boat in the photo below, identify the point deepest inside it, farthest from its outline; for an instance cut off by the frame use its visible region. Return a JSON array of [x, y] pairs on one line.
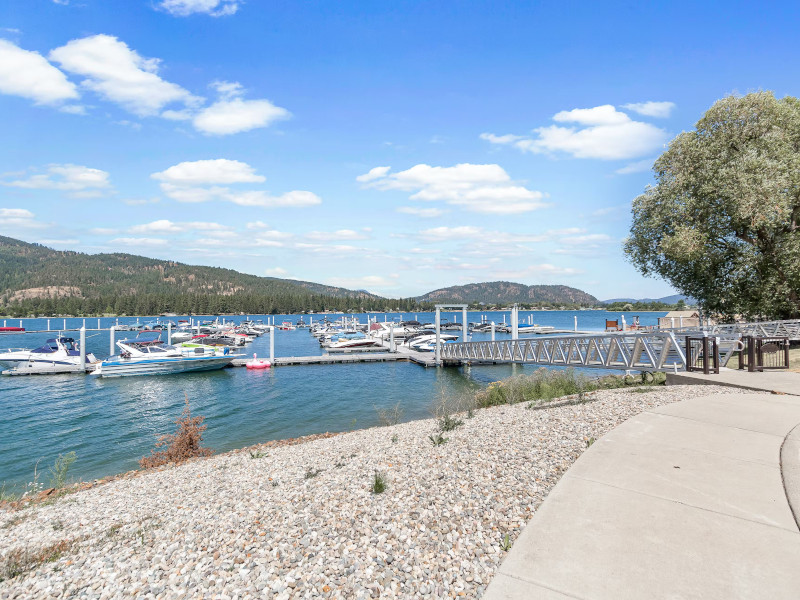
[[353, 340], [57, 353], [425, 338], [148, 355]]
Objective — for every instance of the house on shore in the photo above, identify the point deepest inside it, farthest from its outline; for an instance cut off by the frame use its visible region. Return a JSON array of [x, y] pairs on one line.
[[679, 318]]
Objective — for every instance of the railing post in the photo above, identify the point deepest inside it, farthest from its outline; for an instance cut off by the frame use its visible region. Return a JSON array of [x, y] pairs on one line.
[[705, 355]]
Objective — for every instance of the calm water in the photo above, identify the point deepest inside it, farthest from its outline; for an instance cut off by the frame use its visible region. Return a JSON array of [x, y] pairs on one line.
[[111, 423]]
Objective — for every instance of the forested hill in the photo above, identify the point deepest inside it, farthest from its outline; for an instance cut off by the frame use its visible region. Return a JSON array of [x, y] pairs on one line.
[[34, 278], [506, 292]]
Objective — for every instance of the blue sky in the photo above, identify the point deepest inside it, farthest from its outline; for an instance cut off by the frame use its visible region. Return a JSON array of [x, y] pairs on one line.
[[392, 146]]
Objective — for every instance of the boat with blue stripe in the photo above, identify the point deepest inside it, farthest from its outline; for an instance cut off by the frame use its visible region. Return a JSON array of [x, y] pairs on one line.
[[148, 355]]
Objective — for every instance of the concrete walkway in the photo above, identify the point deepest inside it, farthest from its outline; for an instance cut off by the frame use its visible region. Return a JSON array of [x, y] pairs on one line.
[[785, 382], [685, 501]]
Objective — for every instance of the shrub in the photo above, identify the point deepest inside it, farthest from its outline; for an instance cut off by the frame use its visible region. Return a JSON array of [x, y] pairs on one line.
[[449, 423], [438, 439], [378, 483], [58, 472], [181, 445], [389, 416]]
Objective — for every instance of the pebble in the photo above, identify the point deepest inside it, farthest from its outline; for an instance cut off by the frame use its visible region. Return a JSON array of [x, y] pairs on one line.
[[219, 528]]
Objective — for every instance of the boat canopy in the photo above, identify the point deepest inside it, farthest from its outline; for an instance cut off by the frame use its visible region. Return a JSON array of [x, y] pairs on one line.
[[52, 345], [145, 337]]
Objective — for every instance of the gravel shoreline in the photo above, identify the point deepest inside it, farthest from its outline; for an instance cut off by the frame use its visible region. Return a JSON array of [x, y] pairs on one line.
[[300, 521]]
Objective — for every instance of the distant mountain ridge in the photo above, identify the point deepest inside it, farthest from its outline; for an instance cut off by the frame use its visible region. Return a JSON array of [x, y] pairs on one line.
[[673, 299], [35, 279], [507, 292]]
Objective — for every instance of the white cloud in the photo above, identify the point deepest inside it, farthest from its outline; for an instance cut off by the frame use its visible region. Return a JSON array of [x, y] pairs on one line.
[[103, 231], [599, 115], [636, 167], [544, 271], [77, 180], [651, 109], [438, 234], [602, 132], [220, 171], [28, 74], [297, 198], [162, 226], [129, 241], [18, 218], [214, 8], [187, 181], [372, 174], [368, 281], [341, 234], [231, 114], [119, 74], [60, 242], [425, 213], [478, 188], [500, 139], [276, 272]]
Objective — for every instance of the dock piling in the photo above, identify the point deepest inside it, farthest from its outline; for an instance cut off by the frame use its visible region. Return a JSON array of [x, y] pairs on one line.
[[169, 333], [83, 348], [272, 344], [112, 340]]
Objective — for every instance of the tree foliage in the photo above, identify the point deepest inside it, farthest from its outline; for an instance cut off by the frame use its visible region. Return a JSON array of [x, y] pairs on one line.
[[721, 223]]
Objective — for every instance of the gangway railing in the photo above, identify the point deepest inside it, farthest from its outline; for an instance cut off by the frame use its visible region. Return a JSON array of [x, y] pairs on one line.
[[787, 328], [629, 351]]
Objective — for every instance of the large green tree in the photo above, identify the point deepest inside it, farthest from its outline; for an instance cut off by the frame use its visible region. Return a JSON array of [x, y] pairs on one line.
[[721, 222]]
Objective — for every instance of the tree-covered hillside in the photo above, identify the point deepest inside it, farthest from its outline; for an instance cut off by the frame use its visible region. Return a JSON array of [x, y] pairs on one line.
[[35, 279], [506, 292]]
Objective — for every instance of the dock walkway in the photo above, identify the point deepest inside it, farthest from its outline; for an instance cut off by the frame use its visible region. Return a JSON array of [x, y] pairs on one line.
[[425, 359], [689, 500]]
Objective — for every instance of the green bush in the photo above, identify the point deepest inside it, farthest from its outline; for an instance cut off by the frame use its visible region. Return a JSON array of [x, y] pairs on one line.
[[547, 384]]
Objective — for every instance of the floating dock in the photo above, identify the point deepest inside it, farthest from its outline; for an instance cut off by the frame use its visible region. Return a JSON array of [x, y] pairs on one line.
[[363, 355]]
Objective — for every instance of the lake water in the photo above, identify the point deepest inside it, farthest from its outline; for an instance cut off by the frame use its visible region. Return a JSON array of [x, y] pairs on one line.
[[111, 423]]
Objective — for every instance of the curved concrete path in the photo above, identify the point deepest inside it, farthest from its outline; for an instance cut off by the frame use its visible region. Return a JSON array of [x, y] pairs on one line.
[[685, 501]]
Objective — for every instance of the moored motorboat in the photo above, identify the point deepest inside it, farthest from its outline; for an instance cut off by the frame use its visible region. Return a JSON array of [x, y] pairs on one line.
[[148, 355], [62, 352]]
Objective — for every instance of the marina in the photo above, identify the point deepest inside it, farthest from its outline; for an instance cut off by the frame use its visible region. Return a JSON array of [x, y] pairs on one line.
[[111, 422]]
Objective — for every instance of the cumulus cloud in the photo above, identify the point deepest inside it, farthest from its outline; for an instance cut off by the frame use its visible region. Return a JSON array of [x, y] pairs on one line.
[[372, 174], [651, 109], [140, 241], [339, 235], [440, 234], [276, 272], [214, 8], [366, 282], [232, 114], [207, 180], [18, 217], [477, 188], [636, 167], [78, 181], [119, 74], [29, 74], [425, 213], [220, 171], [601, 132]]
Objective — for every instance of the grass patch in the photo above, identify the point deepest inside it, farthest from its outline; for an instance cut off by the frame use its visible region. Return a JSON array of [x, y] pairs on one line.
[[545, 384], [505, 543], [378, 483], [311, 473], [23, 560], [257, 454]]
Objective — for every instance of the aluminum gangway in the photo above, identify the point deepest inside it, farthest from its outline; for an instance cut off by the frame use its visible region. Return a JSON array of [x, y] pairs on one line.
[[782, 329]]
